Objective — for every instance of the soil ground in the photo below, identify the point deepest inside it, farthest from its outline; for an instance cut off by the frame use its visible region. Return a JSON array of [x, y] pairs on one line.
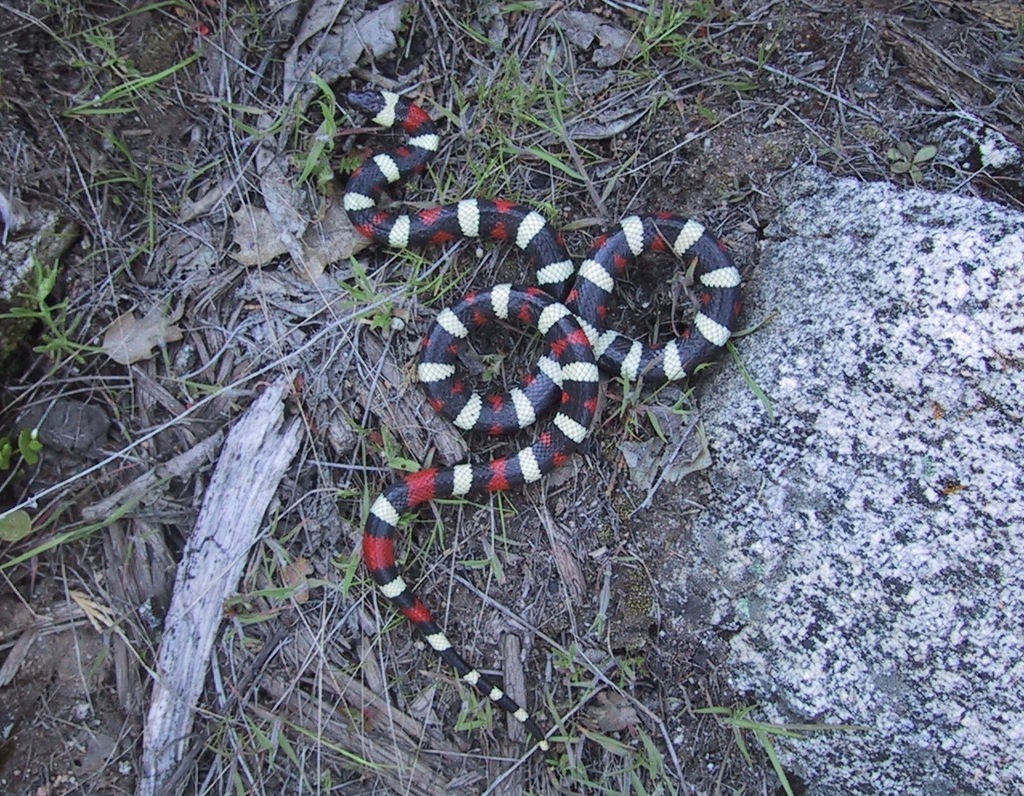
[[155, 131]]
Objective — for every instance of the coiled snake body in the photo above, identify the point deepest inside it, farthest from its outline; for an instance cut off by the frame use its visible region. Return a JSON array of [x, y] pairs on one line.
[[567, 376]]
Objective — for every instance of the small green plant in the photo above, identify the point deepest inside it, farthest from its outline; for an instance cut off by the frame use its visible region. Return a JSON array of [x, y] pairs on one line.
[[318, 157], [738, 718], [28, 446], [706, 112], [476, 713], [776, 32], [521, 119], [102, 39], [393, 453], [374, 309], [669, 29], [45, 525], [120, 99], [15, 526], [57, 329], [903, 159]]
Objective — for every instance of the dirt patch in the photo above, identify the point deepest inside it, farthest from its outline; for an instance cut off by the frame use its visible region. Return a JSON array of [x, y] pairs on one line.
[[65, 728], [153, 130]]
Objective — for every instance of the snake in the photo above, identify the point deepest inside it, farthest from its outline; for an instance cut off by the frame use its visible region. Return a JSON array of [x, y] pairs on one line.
[[568, 306]]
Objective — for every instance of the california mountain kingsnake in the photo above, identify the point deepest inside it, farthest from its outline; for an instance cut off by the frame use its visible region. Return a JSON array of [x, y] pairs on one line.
[[574, 332]]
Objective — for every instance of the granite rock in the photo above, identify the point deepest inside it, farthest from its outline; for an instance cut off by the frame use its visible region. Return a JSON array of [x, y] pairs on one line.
[[863, 542]]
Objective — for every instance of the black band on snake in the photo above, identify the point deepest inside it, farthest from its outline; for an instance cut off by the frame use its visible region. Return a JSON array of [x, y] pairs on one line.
[[566, 379]]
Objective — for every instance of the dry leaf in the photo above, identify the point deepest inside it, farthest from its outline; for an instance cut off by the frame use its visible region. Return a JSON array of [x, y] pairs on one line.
[[581, 29], [643, 458], [16, 656], [100, 616], [295, 576], [327, 240], [376, 30], [13, 214], [340, 44], [209, 199], [611, 712], [256, 237], [130, 339], [283, 198], [611, 124]]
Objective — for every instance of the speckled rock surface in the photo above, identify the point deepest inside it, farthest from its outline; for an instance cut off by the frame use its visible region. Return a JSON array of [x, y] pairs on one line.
[[865, 546]]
